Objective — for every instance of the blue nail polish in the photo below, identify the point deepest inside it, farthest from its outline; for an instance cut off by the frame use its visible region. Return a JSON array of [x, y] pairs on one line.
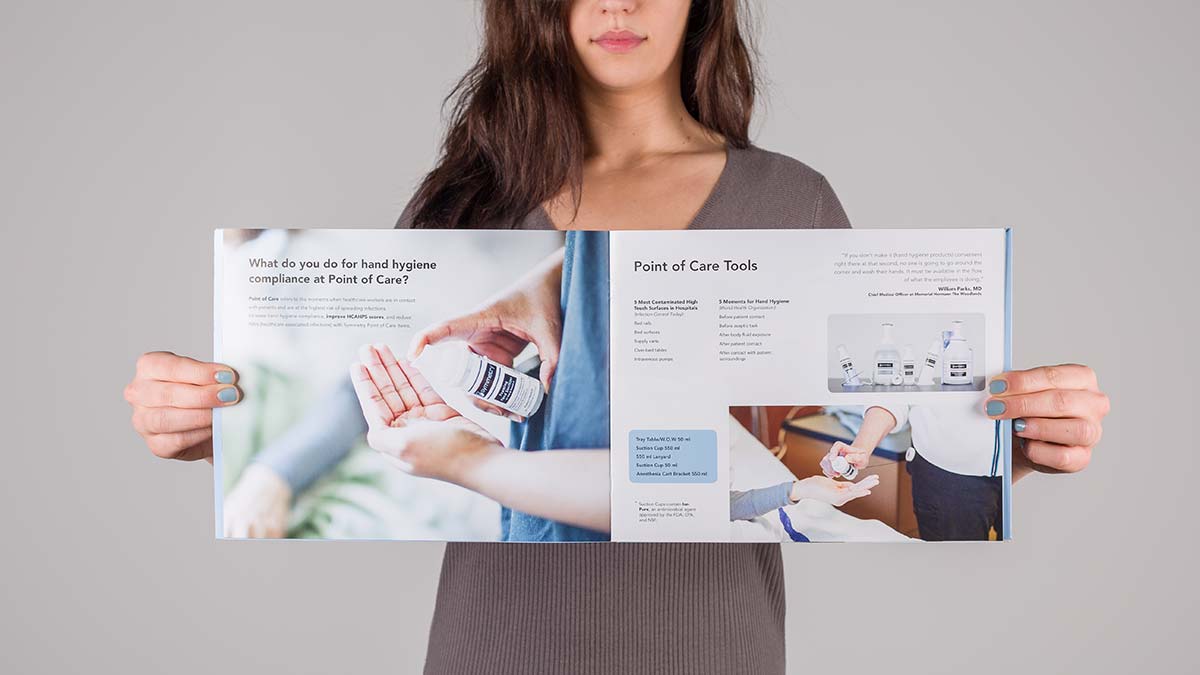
[[998, 386], [224, 377], [996, 408], [227, 395], [1019, 425]]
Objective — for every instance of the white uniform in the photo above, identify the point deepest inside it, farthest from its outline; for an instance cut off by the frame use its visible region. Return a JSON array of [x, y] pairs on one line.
[[954, 435]]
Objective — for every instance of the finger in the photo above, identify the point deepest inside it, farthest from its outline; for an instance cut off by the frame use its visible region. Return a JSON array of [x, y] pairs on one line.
[[868, 482], [505, 345], [404, 387], [827, 467], [158, 394], [425, 391], [1073, 431], [1067, 376], [375, 409], [547, 337], [1065, 458], [494, 352], [462, 327], [185, 445], [495, 410], [170, 420], [1057, 403], [369, 356], [168, 367]]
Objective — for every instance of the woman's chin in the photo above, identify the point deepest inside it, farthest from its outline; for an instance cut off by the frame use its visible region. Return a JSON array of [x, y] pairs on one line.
[[619, 77]]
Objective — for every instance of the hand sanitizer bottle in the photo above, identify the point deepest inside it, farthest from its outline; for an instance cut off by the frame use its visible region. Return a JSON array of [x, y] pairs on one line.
[[930, 365], [958, 360], [842, 467], [887, 359], [909, 365], [849, 374], [454, 365]]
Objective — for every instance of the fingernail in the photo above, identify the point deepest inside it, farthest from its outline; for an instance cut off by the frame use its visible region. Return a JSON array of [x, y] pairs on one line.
[[224, 377], [1019, 425], [227, 395], [996, 408], [998, 386]]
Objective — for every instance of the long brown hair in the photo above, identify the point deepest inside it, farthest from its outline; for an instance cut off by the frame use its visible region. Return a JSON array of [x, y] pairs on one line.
[[515, 136]]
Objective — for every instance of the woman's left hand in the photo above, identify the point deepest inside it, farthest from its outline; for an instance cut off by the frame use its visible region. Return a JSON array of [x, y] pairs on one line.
[[1057, 413]]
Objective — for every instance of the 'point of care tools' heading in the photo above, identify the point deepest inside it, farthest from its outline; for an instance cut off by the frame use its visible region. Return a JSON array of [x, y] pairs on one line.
[[697, 266]]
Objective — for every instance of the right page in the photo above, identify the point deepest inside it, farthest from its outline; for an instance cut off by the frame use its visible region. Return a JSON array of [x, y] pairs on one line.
[[809, 385]]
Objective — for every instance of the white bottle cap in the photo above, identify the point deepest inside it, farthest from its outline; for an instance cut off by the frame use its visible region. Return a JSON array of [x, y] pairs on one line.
[[444, 363], [956, 330], [842, 467], [843, 353]]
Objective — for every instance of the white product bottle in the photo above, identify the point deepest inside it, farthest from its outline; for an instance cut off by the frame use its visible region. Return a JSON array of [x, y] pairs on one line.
[[908, 365], [844, 468], [453, 364], [887, 359], [930, 365], [849, 374], [958, 360]]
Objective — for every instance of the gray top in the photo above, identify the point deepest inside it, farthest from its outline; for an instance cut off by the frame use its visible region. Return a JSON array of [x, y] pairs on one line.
[[605, 608], [634, 608]]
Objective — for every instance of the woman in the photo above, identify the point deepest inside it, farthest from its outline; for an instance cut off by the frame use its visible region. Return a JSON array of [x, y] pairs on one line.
[[601, 115]]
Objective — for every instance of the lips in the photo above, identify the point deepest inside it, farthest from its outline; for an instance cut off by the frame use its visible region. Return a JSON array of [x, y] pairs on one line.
[[619, 41]]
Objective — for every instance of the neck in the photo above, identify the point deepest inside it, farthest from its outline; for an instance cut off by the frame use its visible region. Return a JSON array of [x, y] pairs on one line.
[[629, 127]]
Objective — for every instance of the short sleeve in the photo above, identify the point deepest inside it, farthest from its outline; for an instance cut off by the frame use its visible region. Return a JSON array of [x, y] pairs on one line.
[[829, 213]]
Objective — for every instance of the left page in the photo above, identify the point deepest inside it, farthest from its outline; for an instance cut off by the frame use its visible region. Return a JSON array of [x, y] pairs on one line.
[[292, 309]]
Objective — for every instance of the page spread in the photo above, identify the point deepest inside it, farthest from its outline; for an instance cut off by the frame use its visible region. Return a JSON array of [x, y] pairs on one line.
[[722, 386]]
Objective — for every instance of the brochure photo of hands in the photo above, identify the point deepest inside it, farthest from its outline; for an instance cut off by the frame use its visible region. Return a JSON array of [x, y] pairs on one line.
[[378, 386], [853, 473]]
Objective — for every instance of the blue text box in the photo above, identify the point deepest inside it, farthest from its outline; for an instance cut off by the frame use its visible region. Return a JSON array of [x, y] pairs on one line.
[[673, 456]]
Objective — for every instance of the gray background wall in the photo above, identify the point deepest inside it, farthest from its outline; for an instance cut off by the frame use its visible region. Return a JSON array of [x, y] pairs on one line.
[[128, 130]]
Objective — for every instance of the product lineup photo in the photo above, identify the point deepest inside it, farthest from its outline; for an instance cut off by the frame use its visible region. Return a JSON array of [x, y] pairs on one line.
[[763, 385], [894, 363]]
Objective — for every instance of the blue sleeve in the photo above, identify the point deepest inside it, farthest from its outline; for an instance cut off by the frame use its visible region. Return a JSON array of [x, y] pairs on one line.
[[315, 444], [752, 503]]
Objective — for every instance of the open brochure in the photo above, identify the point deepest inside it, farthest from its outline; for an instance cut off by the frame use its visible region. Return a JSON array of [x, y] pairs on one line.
[[717, 386]]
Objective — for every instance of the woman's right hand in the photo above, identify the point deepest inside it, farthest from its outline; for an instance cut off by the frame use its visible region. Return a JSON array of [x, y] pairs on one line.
[[173, 397]]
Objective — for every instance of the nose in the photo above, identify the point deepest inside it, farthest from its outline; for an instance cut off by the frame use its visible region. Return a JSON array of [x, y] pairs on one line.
[[617, 6]]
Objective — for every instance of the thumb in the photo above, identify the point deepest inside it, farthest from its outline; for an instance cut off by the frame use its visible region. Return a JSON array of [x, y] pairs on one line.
[[547, 337]]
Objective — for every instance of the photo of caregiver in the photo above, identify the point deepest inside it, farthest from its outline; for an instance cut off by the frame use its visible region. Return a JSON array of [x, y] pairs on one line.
[[954, 458], [786, 445], [905, 352]]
